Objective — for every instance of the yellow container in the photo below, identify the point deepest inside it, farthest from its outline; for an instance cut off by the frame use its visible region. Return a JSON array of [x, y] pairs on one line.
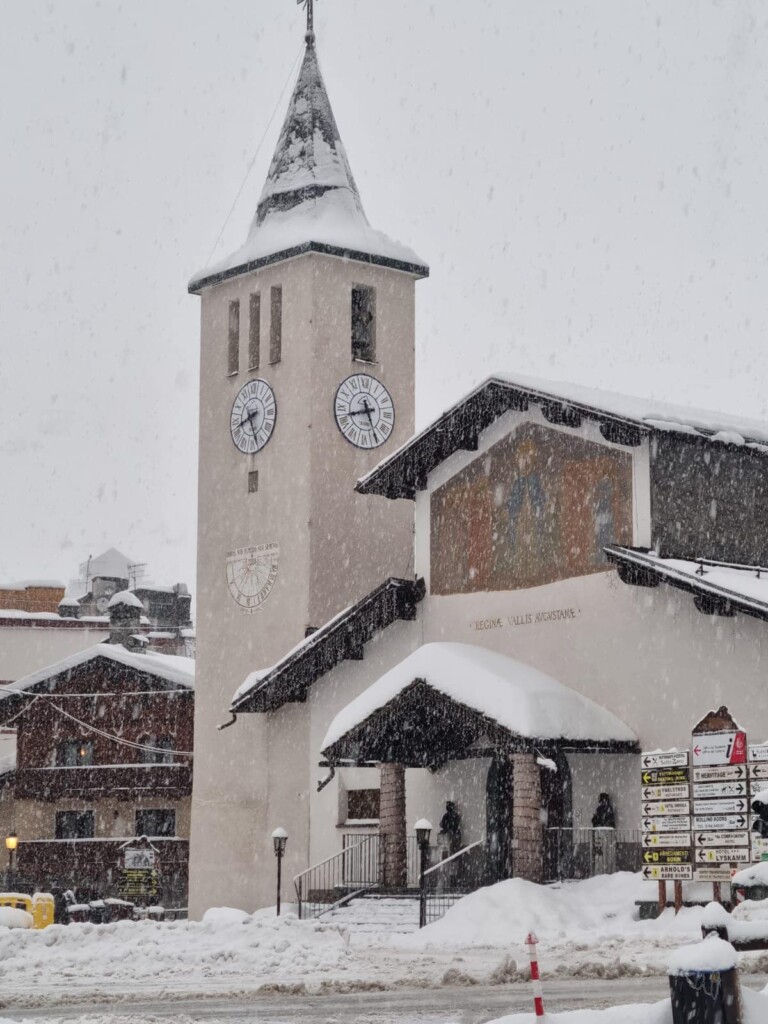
[[17, 900], [42, 909]]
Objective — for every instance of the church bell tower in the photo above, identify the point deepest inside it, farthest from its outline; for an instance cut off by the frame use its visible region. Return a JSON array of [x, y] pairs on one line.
[[306, 382]]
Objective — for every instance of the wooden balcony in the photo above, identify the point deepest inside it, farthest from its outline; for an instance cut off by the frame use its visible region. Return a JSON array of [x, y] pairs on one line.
[[118, 781]]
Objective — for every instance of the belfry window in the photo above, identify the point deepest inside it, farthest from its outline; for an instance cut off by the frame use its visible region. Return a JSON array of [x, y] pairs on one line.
[[254, 332], [276, 325], [364, 323], [233, 358]]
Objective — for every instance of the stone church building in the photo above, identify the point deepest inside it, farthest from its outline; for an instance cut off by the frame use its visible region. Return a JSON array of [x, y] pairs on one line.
[[496, 613]]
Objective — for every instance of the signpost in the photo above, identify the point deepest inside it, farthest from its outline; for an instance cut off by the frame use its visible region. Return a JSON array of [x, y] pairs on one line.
[[721, 804], [666, 807]]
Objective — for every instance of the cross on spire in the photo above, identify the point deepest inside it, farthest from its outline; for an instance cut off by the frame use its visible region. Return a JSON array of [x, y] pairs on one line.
[[310, 6]]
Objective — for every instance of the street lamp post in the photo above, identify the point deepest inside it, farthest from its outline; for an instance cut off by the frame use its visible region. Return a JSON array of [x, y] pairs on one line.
[[423, 832], [279, 839], [11, 842]]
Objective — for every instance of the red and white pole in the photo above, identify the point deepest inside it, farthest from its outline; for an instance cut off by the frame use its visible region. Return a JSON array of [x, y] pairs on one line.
[[538, 997]]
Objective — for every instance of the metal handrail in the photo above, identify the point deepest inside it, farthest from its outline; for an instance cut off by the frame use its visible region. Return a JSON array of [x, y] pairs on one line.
[[459, 853], [354, 868], [322, 863]]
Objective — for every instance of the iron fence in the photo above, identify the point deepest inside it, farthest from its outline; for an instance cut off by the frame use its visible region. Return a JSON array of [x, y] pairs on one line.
[[338, 879], [571, 853]]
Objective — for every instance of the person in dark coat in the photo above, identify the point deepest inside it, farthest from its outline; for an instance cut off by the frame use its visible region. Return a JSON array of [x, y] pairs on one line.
[[450, 827], [604, 816]]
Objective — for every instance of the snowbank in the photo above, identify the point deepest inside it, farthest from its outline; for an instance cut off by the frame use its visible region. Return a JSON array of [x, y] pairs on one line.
[[503, 913], [226, 945], [756, 874]]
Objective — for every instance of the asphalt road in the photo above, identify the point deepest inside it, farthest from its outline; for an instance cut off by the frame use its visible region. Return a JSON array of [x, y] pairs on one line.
[[445, 1005]]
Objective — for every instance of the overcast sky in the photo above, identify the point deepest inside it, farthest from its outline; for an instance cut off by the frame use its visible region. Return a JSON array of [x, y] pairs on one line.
[[586, 179]]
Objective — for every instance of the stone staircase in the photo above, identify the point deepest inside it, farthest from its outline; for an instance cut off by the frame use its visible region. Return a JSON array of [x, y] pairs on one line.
[[372, 914]]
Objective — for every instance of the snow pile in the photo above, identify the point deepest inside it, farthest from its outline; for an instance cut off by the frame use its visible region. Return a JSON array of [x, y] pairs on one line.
[[712, 954], [226, 945], [517, 696], [506, 912], [655, 1013], [11, 917], [126, 598], [755, 874]]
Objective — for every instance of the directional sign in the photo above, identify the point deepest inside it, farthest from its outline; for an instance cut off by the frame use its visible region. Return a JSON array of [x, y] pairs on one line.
[[667, 807], [670, 823], [719, 821], [668, 856], [722, 838], [735, 805], [713, 789], [720, 773], [665, 776], [719, 747], [668, 759], [758, 751], [652, 840], [712, 873], [669, 872], [720, 854], [667, 792], [759, 847], [758, 771]]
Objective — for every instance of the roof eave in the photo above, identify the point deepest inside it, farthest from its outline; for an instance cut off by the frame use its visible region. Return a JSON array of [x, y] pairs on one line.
[[459, 428], [393, 600], [197, 284], [641, 570]]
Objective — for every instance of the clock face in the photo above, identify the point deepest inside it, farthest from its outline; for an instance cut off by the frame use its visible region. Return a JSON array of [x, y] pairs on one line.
[[251, 574], [365, 412], [253, 416]]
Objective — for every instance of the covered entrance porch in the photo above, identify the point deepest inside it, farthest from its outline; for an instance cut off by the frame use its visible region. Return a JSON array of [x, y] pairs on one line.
[[506, 731]]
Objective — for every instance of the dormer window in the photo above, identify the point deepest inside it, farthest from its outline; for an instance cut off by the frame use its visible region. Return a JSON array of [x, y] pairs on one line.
[[364, 323]]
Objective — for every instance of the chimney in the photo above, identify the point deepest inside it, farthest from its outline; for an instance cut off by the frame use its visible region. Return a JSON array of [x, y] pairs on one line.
[[125, 611]]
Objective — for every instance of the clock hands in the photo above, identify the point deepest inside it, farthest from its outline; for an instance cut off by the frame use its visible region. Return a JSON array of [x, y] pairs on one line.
[[249, 419]]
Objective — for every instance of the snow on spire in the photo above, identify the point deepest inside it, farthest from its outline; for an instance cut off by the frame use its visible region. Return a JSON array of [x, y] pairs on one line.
[[310, 201], [310, 159]]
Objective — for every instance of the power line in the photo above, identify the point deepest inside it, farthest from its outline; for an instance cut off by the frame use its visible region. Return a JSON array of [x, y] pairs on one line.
[[255, 155]]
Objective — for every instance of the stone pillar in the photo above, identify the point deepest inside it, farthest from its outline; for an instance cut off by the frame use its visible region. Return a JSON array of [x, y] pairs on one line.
[[526, 819], [393, 861]]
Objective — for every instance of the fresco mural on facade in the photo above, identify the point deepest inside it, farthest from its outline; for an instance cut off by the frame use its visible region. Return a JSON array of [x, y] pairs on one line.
[[537, 507]]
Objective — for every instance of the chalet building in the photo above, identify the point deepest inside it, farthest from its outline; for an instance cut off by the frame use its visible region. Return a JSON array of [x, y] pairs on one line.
[[103, 756], [496, 613]]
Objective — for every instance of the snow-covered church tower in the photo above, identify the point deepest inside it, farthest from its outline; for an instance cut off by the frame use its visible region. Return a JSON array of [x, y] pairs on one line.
[[307, 381]]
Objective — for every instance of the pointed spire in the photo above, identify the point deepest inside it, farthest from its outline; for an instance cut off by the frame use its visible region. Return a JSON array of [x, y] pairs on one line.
[[310, 159], [310, 202]]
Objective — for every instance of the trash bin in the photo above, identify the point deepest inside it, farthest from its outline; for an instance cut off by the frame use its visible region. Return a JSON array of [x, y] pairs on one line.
[[79, 913], [118, 910], [98, 910], [42, 909], [704, 984]]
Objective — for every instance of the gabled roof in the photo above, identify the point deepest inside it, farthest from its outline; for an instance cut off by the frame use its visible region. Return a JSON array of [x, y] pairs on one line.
[[526, 704], [310, 202], [342, 637], [169, 669], [719, 588], [623, 419]]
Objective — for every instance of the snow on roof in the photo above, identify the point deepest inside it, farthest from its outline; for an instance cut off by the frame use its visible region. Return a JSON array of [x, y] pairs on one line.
[[27, 584], [111, 564], [310, 195], [520, 698], [745, 586], [125, 597], [171, 668], [7, 750], [644, 413], [69, 602]]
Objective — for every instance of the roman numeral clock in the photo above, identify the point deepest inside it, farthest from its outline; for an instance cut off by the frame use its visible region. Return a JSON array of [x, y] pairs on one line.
[[365, 412]]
